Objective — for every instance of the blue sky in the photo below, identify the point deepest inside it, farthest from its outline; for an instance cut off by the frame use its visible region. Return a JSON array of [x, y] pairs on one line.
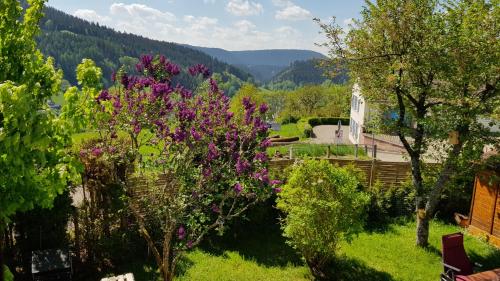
[[227, 24]]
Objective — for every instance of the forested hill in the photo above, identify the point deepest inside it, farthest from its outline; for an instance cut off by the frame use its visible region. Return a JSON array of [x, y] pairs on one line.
[[302, 73], [262, 64], [69, 39]]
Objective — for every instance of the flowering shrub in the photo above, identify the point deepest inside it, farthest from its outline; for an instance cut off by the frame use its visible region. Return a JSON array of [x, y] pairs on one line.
[[323, 207], [197, 167]]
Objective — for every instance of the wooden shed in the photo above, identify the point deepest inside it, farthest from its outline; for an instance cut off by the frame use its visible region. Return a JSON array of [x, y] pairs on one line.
[[484, 217]]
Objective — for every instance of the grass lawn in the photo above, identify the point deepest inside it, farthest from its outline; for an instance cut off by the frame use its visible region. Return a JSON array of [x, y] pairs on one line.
[[292, 130], [261, 254], [392, 254]]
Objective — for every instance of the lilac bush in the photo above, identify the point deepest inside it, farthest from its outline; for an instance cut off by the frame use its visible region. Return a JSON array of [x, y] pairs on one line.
[[196, 166]]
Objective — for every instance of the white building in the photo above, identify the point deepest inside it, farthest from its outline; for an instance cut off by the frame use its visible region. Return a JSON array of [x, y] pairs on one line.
[[359, 112]]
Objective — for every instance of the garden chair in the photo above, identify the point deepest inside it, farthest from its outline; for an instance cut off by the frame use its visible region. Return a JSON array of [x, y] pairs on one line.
[[455, 261]]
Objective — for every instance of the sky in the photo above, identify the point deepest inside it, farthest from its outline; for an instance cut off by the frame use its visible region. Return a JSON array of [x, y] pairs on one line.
[[227, 24]]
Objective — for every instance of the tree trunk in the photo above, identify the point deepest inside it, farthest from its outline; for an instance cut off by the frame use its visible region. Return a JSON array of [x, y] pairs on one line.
[[422, 230], [316, 266]]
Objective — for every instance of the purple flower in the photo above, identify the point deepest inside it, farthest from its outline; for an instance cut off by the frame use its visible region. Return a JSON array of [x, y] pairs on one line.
[[117, 104], [195, 134], [181, 233], [96, 151], [275, 182], [214, 88], [263, 108], [265, 143], [103, 96], [125, 80], [215, 208], [261, 156], [146, 61], [173, 69], [262, 176], [189, 244], [246, 102], [277, 190], [229, 116], [207, 172], [213, 153], [241, 166], [179, 135], [238, 188], [137, 129], [199, 69]]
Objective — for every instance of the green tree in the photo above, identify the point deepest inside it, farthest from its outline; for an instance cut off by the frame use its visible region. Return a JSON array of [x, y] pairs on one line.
[[436, 62], [323, 207], [80, 106], [34, 167], [247, 90]]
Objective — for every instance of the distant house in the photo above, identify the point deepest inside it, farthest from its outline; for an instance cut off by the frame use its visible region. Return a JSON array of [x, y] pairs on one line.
[[358, 117]]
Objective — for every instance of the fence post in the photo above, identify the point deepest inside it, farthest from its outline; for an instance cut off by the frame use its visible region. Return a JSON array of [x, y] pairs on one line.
[[328, 152], [366, 149], [375, 151], [291, 151], [356, 151], [372, 170]]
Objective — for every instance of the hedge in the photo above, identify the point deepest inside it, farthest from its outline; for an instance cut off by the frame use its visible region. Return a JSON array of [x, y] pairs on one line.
[[328, 121]]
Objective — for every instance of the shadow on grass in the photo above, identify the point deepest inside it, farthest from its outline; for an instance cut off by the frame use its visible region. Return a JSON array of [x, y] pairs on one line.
[[258, 238], [346, 269], [385, 225], [490, 261]]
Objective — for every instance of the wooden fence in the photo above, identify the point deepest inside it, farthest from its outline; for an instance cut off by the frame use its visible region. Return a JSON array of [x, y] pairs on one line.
[[387, 173]]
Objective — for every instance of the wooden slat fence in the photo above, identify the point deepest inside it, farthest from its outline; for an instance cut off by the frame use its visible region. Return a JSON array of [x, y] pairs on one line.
[[387, 173]]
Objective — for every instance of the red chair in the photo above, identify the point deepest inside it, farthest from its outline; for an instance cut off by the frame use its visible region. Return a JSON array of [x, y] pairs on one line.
[[455, 261]]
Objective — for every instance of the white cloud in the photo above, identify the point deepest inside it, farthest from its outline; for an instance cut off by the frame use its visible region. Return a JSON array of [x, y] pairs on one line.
[[140, 11], [244, 8], [293, 12], [245, 25], [282, 3], [91, 16], [197, 30]]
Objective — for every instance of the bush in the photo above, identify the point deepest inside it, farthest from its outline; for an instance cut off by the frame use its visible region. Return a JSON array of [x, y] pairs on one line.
[[289, 120], [388, 203], [323, 207], [313, 122], [308, 131]]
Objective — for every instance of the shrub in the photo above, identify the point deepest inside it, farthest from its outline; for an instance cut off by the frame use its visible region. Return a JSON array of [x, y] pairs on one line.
[[390, 202], [323, 207], [289, 120], [313, 122], [308, 131]]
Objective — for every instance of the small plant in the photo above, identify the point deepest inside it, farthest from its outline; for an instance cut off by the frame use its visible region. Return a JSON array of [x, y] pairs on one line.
[[323, 207]]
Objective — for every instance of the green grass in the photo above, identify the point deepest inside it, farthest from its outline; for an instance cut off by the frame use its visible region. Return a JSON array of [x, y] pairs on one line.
[[292, 130], [392, 254], [232, 266], [288, 131], [260, 253], [315, 150]]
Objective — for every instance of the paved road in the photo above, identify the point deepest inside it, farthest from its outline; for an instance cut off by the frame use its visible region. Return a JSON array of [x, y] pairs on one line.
[[325, 134]]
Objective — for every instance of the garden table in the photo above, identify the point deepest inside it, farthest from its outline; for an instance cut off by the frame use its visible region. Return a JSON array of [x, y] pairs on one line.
[[492, 275]]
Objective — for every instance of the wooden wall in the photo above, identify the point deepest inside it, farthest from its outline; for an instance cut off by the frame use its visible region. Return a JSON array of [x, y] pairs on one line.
[[387, 173], [485, 207]]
